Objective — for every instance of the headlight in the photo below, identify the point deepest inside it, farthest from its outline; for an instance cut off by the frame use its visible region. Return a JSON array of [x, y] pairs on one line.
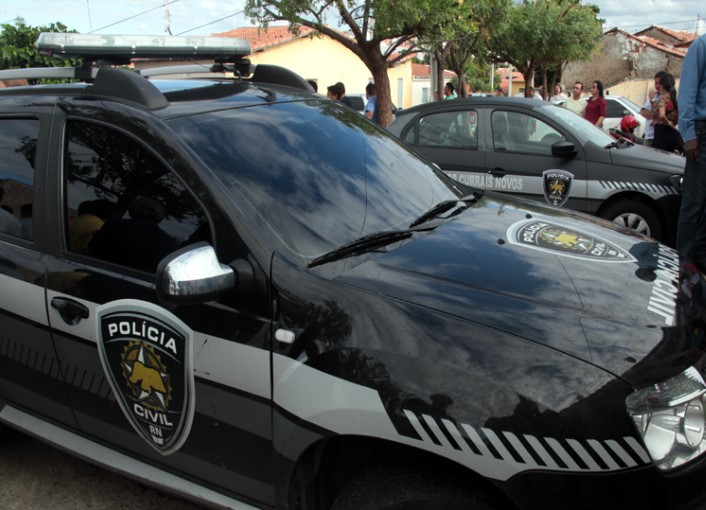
[[670, 417]]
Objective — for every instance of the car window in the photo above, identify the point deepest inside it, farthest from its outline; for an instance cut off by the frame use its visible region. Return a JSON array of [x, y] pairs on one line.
[[448, 129], [518, 132], [578, 126], [122, 204], [630, 104], [357, 103], [615, 109], [18, 146]]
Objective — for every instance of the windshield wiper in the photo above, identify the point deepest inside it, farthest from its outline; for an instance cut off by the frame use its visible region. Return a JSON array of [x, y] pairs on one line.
[[363, 244], [386, 237], [444, 206], [611, 145]]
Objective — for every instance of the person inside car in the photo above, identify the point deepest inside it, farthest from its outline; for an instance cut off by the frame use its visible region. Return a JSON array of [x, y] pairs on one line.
[[137, 241]]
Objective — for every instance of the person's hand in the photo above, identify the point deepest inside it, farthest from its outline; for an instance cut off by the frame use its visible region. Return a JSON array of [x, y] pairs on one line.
[[691, 149]]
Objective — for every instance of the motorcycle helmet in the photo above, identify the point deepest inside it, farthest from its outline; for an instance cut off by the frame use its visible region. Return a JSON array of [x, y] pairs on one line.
[[628, 123]]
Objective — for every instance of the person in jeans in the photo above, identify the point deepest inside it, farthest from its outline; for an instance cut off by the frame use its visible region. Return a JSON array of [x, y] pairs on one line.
[[371, 107], [691, 230]]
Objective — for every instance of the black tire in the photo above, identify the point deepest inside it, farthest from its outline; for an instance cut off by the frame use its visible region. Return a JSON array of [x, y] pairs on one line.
[[634, 215], [411, 488]]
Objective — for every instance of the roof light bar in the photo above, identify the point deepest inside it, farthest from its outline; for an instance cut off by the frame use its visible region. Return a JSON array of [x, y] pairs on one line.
[[140, 46]]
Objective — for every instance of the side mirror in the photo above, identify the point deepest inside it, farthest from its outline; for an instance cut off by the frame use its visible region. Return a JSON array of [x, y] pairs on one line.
[[563, 149], [193, 274]]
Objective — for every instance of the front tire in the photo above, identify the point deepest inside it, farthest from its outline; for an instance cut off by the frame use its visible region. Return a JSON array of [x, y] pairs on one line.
[[636, 216], [412, 488]]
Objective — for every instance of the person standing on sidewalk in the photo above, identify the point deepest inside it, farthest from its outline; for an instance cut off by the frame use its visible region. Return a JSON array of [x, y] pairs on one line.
[[596, 106], [576, 102], [691, 230], [648, 110]]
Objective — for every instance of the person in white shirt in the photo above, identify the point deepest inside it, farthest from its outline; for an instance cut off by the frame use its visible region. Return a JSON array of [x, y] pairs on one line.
[[576, 103], [533, 93], [648, 111], [558, 93]]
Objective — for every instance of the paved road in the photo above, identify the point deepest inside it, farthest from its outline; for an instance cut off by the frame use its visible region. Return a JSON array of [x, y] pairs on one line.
[[34, 476]]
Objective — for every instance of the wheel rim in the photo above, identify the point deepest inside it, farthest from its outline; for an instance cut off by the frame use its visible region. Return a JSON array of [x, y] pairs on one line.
[[633, 221]]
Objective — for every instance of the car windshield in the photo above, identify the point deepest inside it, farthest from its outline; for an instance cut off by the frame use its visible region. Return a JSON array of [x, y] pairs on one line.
[[580, 127], [632, 105], [314, 174]]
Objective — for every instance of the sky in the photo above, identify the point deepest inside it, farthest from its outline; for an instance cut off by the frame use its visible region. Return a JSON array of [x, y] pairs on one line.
[[205, 17]]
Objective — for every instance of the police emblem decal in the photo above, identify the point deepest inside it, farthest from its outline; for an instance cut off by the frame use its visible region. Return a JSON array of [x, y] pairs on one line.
[[557, 186], [553, 237], [147, 358]]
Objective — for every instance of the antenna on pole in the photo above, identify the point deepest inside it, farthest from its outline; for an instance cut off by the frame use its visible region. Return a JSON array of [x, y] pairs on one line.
[[90, 23], [167, 18]]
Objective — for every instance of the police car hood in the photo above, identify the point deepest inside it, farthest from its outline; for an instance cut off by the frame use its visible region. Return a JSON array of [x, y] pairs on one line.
[[565, 280], [640, 156]]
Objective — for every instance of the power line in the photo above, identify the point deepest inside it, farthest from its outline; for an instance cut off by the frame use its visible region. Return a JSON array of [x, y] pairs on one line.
[[135, 16], [211, 22], [662, 23]]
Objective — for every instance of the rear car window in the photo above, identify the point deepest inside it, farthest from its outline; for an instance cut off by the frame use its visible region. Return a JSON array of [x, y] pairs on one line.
[[18, 147]]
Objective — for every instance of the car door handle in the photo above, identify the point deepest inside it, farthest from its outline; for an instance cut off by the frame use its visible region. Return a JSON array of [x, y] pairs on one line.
[[71, 311], [497, 172]]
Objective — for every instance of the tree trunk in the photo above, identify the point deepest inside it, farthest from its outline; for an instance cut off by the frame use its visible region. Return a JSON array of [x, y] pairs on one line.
[[528, 75], [457, 63], [383, 92], [545, 84], [462, 92], [439, 59]]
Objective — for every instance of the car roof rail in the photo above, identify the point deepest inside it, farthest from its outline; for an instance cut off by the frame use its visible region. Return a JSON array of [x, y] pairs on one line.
[[50, 73], [126, 85], [106, 82], [266, 73], [260, 73], [100, 51]]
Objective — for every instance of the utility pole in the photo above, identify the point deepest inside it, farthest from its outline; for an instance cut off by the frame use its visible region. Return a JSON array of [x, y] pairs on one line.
[[433, 74], [509, 81], [90, 23], [167, 18]]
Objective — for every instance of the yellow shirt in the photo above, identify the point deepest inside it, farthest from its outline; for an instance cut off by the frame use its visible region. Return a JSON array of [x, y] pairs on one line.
[[81, 229]]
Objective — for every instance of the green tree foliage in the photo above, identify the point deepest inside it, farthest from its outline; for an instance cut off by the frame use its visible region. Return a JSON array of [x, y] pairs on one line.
[[381, 32], [18, 46], [462, 34], [477, 73], [540, 34]]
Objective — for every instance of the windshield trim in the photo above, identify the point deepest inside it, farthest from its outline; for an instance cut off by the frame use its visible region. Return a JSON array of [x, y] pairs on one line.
[[583, 130]]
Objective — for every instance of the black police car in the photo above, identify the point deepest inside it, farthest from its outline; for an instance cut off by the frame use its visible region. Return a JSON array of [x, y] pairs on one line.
[[244, 293], [541, 151]]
